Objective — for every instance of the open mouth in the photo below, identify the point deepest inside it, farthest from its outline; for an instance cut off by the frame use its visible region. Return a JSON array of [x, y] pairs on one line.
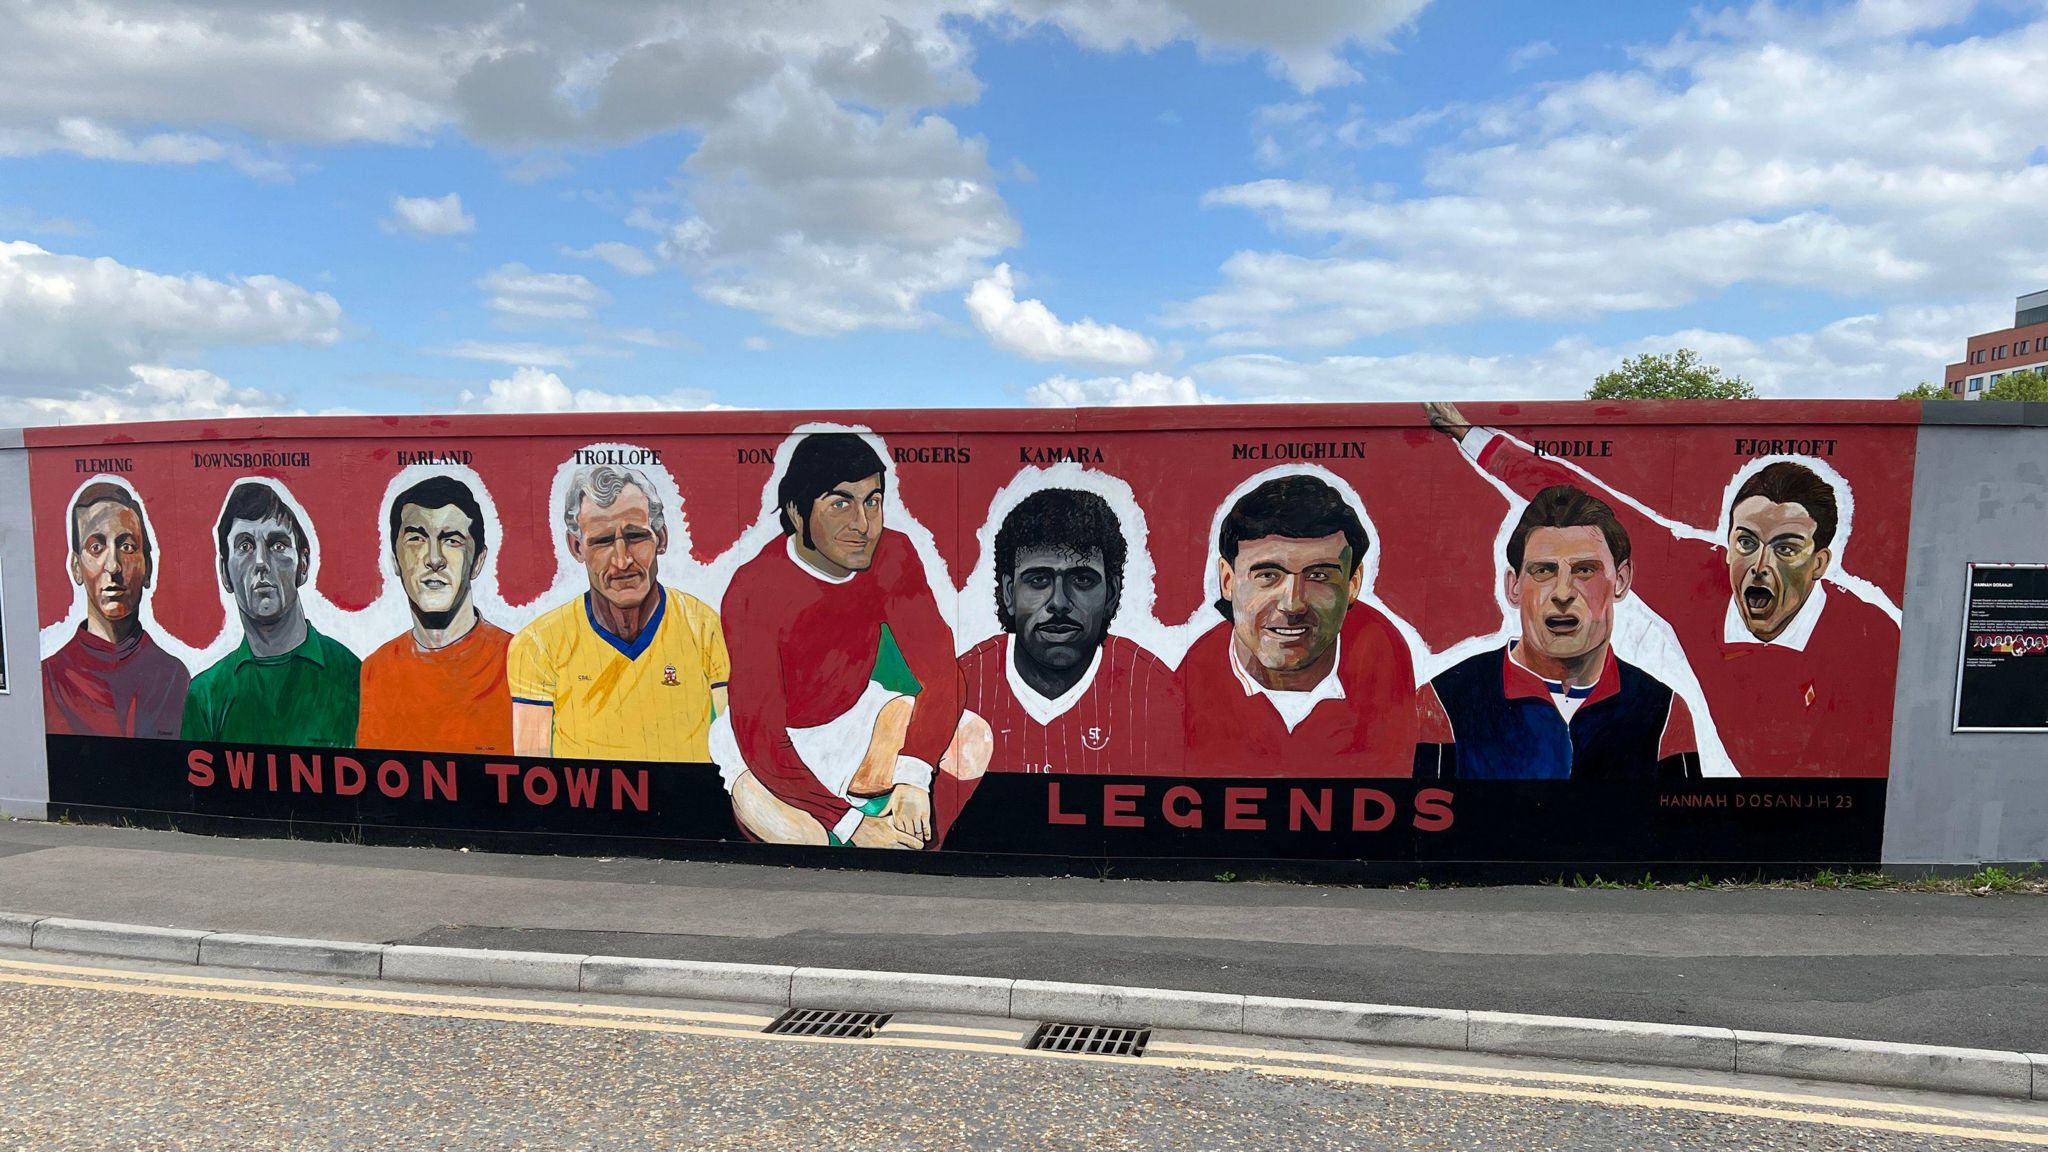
[[1758, 600], [1561, 625], [1287, 631]]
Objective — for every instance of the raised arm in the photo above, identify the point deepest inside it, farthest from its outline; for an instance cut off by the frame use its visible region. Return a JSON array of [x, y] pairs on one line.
[[1655, 545]]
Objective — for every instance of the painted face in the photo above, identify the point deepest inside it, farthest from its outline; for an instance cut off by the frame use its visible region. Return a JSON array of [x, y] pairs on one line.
[[1566, 591], [1062, 602], [846, 523], [1288, 597], [264, 568], [620, 548], [1772, 563], [110, 563], [436, 556]]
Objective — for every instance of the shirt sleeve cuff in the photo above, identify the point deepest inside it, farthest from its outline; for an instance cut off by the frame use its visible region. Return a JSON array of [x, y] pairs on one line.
[[911, 770], [847, 823], [1475, 442]]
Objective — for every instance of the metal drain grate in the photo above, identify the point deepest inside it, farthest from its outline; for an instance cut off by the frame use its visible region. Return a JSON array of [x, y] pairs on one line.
[[1092, 1039], [828, 1022]]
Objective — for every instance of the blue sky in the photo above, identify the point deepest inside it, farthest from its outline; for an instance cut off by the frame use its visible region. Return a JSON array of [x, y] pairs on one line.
[[251, 206]]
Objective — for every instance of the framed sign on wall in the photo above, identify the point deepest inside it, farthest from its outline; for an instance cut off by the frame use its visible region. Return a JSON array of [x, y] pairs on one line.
[[2002, 670]]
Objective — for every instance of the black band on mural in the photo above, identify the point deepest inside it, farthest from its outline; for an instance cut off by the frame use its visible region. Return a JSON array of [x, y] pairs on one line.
[[1561, 822]]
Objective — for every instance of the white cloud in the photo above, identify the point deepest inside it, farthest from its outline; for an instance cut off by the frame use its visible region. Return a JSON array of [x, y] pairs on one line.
[[383, 71], [897, 66], [1532, 52], [1849, 154], [429, 216], [1306, 41], [75, 321], [520, 293], [288, 73], [821, 194], [824, 219], [537, 355], [1870, 355], [1029, 329], [757, 344], [152, 392], [96, 140], [531, 389], [625, 258], [1139, 388]]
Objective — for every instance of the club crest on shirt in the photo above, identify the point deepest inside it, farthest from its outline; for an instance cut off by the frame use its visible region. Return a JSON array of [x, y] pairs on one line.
[[668, 675], [1095, 739]]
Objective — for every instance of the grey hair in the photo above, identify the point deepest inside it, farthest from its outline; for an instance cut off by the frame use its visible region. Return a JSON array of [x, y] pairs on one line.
[[603, 483]]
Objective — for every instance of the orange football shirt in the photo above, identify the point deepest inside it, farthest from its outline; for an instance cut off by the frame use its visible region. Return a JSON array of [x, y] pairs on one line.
[[452, 699]]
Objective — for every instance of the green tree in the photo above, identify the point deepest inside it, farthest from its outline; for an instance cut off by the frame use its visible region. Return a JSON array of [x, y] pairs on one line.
[[1925, 391], [1680, 376], [2025, 384]]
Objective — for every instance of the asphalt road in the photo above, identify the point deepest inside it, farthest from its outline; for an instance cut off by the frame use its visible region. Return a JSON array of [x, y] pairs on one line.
[[98, 1058], [1939, 969]]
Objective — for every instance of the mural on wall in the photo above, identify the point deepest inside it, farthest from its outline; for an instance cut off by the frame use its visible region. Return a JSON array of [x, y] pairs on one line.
[[1417, 637]]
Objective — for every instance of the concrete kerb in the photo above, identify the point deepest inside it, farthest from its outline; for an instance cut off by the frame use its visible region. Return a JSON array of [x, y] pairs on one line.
[[1357, 1023], [484, 967], [18, 929], [899, 992], [1968, 1070], [1624, 1041], [1136, 1007], [129, 941], [689, 979], [1897, 1065], [289, 954]]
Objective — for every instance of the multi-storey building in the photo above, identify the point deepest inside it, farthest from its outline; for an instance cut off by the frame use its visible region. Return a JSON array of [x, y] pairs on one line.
[[1990, 356]]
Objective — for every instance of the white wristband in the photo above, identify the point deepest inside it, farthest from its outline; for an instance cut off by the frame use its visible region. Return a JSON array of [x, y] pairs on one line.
[[911, 770], [847, 823]]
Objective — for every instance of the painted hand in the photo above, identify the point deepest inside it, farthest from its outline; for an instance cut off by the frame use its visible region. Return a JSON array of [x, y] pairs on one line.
[[878, 832], [910, 812], [1446, 418]]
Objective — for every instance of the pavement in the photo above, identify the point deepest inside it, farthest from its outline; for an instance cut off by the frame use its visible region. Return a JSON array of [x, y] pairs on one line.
[[1887, 966]]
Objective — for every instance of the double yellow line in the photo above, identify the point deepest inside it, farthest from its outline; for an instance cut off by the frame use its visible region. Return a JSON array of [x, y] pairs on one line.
[[2017, 1127]]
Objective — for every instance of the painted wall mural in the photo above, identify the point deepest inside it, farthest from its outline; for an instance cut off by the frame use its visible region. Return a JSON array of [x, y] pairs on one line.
[[1389, 633]]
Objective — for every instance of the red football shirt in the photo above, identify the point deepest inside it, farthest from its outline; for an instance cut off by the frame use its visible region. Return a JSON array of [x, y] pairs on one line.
[[1125, 719], [1370, 731], [803, 648], [1821, 710]]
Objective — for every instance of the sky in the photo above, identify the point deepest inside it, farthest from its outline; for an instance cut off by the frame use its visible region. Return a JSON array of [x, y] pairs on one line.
[[245, 207]]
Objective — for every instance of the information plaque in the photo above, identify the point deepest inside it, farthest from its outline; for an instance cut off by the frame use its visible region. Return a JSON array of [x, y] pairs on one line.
[[2002, 672]]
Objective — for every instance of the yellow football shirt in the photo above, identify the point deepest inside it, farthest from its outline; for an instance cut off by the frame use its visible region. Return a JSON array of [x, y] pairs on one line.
[[645, 699]]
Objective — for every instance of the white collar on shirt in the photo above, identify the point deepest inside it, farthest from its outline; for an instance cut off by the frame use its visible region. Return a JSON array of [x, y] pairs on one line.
[[799, 561], [1795, 635], [1040, 708], [1293, 706]]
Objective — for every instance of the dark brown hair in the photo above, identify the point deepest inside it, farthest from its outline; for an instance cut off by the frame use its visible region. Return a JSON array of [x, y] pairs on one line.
[[1563, 506]]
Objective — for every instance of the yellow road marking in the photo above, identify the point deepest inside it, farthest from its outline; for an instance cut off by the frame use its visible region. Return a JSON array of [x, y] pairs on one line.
[[1672, 1086], [1870, 1123]]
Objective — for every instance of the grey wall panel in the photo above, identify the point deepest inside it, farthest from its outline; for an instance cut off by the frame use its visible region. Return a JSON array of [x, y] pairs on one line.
[[1979, 494], [24, 771]]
